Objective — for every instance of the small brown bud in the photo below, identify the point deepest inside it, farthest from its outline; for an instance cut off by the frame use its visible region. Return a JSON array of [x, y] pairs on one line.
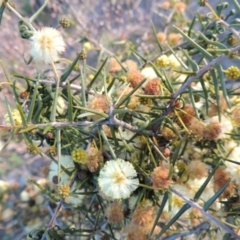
[[64, 22]]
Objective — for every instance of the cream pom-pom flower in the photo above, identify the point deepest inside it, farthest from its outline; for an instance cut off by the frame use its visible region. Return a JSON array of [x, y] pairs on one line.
[[46, 45], [117, 179]]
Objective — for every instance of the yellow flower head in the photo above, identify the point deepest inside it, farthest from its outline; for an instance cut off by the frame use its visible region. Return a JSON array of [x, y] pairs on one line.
[[79, 155], [64, 190], [163, 61], [232, 73], [17, 120]]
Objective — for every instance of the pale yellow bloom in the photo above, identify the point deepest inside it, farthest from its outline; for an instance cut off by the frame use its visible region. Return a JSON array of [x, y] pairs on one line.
[[118, 179], [16, 117], [46, 45]]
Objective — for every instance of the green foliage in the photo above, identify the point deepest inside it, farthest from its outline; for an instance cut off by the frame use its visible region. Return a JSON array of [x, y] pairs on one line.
[[167, 120]]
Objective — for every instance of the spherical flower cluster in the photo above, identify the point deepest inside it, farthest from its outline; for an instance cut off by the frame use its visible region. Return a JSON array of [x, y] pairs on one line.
[[94, 157], [134, 77], [215, 130], [161, 37], [79, 155], [52, 151], [16, 117], [232, 73], [46, 45], [196, 128], [4, 186], [130, 65], [152, 87], [143, 214], [163, 61], [32, 149], [168, 133], [114, 212], [160, 177], [64, 22], [24, 94], [212, 130], [87, 46], [64, 190], [174, 39], [187, 114], [221, 176], [196, 169], [114, 66], [214, 108], [173, 61], [148, 73], [99, 103], [142, 221], [118, 179], [232, 40]]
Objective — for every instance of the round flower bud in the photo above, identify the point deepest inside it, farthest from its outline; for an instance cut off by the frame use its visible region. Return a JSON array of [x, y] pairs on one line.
[[64, 190], [83, 54], [163, 61], [64, 22], [160, 177], [87, 46], [52, 151], [174, 39], [232, 73], [24, 94], [161, 37], [232, 40], [152, 87], [79, 155], [17, 120], [114, 212], [114, 66], [212, 130], [130, 65], [134, 77]]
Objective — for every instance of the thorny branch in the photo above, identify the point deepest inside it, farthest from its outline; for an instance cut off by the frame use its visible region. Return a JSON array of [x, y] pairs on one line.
[[198, 74], [208, 215]]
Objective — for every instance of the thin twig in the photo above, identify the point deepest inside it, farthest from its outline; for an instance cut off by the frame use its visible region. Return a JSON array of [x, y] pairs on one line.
[[59, 206], [116, 122], [64, 85], [26, 21]]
